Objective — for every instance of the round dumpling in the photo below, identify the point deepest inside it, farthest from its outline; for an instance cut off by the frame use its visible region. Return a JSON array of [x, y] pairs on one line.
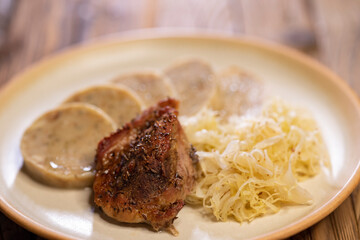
[[194, 84], [59, 147], [150, 86], [120, 103], [236, 92]]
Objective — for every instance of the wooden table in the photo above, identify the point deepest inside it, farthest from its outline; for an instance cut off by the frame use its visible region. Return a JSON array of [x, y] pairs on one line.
[[328, 30]]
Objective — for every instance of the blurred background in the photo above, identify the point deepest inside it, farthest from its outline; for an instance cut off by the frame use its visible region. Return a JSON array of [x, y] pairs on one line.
[[328, 30]]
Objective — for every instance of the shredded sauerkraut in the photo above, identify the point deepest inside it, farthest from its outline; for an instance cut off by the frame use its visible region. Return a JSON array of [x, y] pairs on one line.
[[250, 166]]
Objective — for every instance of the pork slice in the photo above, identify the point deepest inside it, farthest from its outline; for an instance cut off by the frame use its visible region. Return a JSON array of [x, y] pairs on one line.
[[145, 170]]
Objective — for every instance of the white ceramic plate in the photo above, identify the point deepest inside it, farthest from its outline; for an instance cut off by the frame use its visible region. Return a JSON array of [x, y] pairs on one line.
[[68, 213]]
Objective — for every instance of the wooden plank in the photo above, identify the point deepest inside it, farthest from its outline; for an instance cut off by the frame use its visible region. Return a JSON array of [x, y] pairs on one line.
[[341, 224], [282, 21], [110, 16], [5, 13], [344, 221], [200, 14], [1, 227], [34, 36], [67, 22], [10, 230], [338, 33], [323, 230], [355, 196], [304, 235]]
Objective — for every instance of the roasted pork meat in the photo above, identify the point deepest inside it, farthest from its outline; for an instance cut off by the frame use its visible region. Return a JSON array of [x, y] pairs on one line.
[[145, 170]]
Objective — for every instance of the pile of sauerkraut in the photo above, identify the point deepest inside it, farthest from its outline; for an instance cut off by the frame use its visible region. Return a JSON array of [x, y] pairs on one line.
[[250, 166]]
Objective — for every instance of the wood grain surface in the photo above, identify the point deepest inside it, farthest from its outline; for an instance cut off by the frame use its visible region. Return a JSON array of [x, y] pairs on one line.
[[328, 30]]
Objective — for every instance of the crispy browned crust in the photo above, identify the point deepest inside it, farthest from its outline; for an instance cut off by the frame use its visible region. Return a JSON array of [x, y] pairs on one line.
[[144, 170]]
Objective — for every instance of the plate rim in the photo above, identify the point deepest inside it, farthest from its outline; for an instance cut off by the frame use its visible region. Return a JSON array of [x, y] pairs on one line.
[[24, 77]]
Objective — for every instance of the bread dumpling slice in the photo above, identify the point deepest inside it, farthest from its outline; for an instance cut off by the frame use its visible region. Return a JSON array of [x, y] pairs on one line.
[[236, 92], [193, 81], [150, 86], [59, 147], [120, 103]]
